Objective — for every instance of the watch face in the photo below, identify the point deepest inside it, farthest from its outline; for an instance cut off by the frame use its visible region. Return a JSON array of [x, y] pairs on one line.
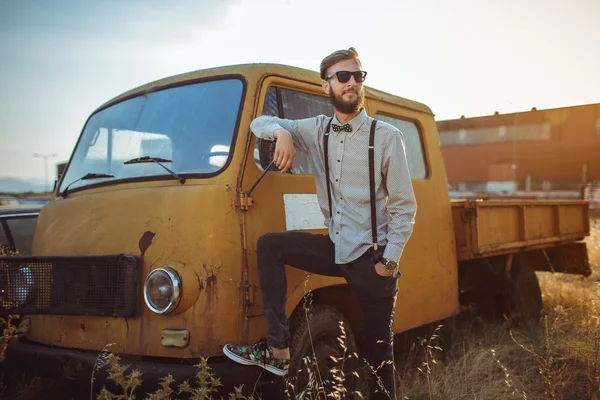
[[391, 265]]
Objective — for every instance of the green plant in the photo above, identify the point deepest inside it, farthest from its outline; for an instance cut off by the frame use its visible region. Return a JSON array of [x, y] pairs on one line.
[[128, 383], [206, 383], [7, 251], [204, 386], [9, 332]]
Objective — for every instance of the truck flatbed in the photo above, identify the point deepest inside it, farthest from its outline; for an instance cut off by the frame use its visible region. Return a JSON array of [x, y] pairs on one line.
[[485, 228]]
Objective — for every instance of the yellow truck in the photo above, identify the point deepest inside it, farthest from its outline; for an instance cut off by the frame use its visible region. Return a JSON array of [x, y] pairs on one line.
[[149, 241]]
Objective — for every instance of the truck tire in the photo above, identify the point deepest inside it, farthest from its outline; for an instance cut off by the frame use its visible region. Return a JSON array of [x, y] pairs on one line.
[[315, 339], [525, 297]]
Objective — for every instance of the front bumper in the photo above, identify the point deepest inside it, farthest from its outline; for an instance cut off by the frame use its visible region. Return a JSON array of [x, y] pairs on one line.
[[77, 366]]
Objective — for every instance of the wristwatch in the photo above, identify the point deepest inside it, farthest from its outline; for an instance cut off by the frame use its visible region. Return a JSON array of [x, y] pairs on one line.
[[390, 265]]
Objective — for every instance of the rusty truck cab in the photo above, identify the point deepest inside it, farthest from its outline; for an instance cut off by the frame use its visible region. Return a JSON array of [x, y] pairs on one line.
[[149, 243]]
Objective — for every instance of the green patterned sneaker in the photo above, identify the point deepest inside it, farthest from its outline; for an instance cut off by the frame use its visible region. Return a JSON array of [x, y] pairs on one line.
[[257, 354]]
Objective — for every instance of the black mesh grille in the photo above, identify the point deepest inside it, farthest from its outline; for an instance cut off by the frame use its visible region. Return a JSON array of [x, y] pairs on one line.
[[99, 285]]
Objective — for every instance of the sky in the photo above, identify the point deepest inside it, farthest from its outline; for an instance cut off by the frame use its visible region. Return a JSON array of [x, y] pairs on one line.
[[61, 59]]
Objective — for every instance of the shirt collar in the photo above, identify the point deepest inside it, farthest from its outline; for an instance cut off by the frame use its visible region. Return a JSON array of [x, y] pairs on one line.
[[355, 122]]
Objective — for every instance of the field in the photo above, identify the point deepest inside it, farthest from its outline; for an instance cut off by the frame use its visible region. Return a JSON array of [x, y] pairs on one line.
[[558, 360], [470, 358]]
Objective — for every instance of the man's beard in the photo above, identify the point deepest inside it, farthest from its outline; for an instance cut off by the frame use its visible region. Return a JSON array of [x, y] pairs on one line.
[[347, 107]]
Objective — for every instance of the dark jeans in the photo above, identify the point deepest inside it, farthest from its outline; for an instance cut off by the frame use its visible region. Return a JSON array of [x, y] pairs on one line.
[[376, 295]]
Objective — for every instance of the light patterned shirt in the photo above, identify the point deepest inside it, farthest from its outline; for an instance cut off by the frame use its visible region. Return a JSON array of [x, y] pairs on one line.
[[350, 226]]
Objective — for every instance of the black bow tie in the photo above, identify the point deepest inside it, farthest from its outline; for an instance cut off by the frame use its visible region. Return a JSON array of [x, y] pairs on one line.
[[345, 127]]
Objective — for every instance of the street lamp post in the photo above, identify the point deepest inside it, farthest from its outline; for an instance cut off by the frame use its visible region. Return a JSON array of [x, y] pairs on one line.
[[45, 157]]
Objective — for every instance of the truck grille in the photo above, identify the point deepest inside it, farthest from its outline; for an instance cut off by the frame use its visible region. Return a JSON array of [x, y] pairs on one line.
[[97, 285]]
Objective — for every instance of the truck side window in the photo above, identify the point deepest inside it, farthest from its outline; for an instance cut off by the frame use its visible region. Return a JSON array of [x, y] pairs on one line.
[[298, 105], [270, 107], [413, 144], [3, 237], [22, 232], [292, 104]]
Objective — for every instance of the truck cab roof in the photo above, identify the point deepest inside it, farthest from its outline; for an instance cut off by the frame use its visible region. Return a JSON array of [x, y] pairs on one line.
[[258, 71]]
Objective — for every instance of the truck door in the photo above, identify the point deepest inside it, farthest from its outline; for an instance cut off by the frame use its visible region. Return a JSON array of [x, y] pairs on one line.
[[429, 281], [283, 202]]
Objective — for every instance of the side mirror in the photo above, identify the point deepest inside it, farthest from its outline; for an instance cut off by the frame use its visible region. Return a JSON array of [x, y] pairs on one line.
[[266, 152]]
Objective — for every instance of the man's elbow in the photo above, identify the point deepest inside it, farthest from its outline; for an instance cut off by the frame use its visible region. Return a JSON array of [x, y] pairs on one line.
[[254, 125]]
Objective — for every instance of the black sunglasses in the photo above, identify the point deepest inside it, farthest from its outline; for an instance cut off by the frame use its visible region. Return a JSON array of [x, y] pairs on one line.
[[344, 76]]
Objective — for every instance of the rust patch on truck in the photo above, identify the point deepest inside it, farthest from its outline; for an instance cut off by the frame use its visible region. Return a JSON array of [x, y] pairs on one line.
[[211, 276], [210, 281], [145, 242], [212, 304]]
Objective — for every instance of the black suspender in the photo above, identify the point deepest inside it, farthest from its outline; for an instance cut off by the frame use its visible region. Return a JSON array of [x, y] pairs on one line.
[[371, 176], [326, 149], [372, 183]]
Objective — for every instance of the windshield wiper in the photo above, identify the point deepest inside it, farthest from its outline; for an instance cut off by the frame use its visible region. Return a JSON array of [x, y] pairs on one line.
[[146, 159], [157, 160], [89, 175]]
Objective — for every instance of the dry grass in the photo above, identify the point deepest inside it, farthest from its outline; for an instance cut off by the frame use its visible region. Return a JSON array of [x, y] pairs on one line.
[[574, 291], [593, 243], [479, 364], [560, 360]]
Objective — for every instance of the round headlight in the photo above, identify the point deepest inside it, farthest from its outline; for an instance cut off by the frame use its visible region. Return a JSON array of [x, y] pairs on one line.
[[21, 286], [162, 290]]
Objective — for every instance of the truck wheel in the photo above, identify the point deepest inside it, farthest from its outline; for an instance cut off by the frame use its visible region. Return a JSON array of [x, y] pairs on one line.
[[525, 298], [316, 338]]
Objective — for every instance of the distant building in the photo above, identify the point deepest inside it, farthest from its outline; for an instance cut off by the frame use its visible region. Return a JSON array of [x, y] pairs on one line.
[[539, 150]]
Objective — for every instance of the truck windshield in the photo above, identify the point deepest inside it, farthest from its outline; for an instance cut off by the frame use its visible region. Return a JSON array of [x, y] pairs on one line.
[[191, 125]]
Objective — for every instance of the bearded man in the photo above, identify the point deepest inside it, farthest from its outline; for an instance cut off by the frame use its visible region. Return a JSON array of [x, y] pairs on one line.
[[365, 242]]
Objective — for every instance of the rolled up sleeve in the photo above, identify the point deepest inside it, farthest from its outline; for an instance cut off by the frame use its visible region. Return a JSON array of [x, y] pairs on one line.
[[304, 131]]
